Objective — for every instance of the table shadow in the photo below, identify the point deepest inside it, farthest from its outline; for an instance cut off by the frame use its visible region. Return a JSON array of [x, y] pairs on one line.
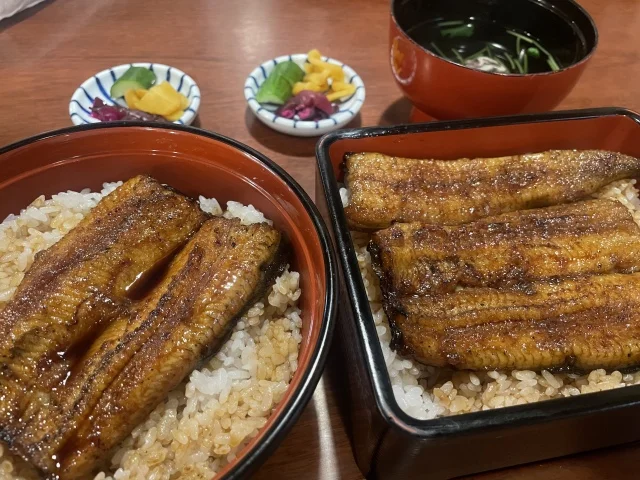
[[399, 112], [23, 15], [282, 143]]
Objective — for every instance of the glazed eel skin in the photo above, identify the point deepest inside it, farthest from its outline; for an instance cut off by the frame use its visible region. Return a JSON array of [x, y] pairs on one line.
[[552, 288], [385, 189], [578, 323], [147, 351], [589, 237], [75, 287]]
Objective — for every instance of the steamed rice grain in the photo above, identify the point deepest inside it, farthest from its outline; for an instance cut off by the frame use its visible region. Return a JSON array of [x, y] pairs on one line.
[[429, 392], [205, 422]]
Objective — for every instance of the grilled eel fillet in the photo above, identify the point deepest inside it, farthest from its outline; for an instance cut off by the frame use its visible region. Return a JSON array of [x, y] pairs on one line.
[[590, 237], [129, 369], [581, 323], [73, 288], [388, 189]]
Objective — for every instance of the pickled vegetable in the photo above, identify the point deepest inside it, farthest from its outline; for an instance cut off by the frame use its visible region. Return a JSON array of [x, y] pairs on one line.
[[161, 99], [278, 86], [134, 78], [112, 113], [323, 76]]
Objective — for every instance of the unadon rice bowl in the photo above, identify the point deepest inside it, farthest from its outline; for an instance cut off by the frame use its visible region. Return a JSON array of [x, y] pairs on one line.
[[202, 424], [428, 392]]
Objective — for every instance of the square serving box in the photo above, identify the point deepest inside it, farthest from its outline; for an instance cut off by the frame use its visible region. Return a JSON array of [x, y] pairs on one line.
[[386, 442]]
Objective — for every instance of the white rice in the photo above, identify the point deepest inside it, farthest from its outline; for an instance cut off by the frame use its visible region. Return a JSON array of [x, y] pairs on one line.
[[429, 392], [206, 421]]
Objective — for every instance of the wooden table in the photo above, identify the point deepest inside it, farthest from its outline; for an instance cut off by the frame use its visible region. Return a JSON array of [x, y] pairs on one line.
[[47, 51]]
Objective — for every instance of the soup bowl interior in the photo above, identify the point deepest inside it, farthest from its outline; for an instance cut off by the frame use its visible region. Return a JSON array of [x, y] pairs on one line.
[[195, 163], [563, 30]]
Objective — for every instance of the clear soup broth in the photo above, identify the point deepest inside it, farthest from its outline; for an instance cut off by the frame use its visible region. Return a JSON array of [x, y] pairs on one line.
[[488, 46]]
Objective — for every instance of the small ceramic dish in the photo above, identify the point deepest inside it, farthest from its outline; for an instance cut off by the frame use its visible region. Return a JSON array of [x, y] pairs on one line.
[[100, 85], [347, 111]]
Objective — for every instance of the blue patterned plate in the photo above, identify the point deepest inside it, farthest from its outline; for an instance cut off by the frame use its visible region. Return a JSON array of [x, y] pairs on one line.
[[348, 108], [100, 85]]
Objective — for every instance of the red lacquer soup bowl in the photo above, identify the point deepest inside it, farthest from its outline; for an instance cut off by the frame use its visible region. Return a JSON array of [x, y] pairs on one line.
[[423, 34], [196, 162]]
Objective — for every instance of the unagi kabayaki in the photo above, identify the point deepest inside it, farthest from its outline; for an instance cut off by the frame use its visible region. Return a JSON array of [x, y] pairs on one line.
[[385, 189], [579, 323], [74, 288], [148, 351], [589, 237]]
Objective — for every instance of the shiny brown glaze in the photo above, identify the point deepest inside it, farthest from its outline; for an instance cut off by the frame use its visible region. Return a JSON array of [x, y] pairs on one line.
[[224, 269], [387, 189], [74, 288], [583, 323], [590, 237], [151, 348]]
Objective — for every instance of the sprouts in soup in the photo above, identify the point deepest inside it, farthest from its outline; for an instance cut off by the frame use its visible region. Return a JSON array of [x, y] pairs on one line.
[[485, 46]]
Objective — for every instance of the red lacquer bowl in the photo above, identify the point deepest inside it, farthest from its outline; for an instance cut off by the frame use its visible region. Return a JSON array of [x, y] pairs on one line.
[[196, 162], [443, 89]]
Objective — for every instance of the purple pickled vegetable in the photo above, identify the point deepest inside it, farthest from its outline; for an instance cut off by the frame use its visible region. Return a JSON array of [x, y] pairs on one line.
[[112, 113], [106, 113], [307, 105]]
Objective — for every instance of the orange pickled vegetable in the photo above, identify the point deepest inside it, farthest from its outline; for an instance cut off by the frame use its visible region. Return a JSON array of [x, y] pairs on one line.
[[161, 99], [323, 77], [174, 116], [336, 95], [341, 90], [300, 86], [132, 98], [319, 78]]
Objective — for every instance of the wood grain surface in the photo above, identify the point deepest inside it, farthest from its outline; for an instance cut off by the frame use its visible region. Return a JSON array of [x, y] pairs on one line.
[[47, 51]]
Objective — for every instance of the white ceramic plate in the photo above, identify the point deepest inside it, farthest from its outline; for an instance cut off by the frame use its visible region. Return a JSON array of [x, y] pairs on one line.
[[100, 85], [348, 109]]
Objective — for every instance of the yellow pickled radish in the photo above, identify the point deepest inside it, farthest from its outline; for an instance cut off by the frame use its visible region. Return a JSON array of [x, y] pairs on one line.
[[314, 55], [323, 76], [319, 78], [141, 92], [161, 99], [337, 74], [132, 99], [333, 96], [301, 86], [174, 116], [184, 102]]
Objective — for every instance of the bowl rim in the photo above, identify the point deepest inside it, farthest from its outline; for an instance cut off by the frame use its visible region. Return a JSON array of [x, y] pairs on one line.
[[379, 379], [583, 60], [187, 118], [359, 96], [301, 396]]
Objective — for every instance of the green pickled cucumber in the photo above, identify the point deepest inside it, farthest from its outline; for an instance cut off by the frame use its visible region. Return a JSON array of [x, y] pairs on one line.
[[278, 86], [134, 78]]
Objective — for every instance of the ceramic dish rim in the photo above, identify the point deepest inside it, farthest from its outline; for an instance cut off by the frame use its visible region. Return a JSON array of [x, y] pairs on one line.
[[318, 356], [467, 423]]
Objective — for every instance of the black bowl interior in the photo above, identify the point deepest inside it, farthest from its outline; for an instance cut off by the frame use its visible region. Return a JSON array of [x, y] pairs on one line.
[[561, 26]]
